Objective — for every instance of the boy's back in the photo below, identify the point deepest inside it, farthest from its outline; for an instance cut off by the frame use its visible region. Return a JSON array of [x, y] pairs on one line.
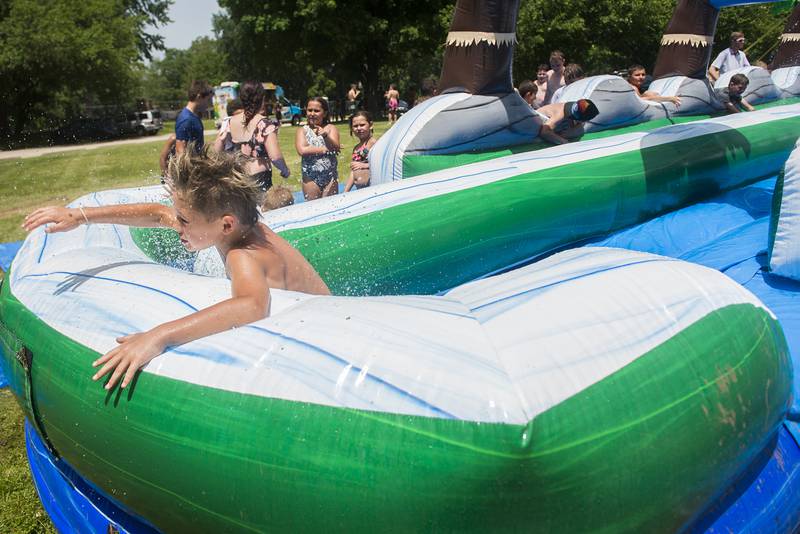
[[285, 267]]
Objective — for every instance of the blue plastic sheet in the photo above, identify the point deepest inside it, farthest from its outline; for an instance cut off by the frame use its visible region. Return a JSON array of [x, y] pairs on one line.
[[72, 503], [7, 253]]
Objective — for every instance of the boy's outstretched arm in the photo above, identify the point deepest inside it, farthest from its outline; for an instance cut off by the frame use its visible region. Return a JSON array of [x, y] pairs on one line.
[[65, 219], [249, 302]]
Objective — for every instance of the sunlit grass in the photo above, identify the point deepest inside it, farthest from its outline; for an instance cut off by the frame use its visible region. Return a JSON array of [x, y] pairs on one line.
[[20, 509]]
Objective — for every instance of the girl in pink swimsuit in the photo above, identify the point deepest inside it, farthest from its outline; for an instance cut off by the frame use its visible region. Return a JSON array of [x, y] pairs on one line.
[[393, 100]]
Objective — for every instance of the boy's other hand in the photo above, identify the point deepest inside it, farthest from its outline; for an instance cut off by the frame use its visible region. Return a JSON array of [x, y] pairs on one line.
[[60, 219], [133, 352]]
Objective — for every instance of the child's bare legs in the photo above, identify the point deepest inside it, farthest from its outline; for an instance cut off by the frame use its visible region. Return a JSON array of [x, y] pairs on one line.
[[331, 189], [311, 191]]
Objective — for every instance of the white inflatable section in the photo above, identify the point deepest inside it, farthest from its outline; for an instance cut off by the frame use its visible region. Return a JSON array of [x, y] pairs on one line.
[[761, 88], [787, 80], [785, 253], [386, 157], [585, 87], [501, 349]]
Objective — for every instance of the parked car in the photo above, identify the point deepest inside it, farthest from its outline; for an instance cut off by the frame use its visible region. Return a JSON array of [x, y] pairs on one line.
[[290, 111], [402, 107], [148, 122]]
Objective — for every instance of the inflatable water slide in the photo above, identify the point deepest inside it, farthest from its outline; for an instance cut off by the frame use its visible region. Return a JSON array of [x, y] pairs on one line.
[[598, 336]]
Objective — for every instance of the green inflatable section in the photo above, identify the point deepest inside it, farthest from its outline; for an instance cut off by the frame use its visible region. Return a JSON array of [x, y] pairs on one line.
[[643, 450], [416, 165], [436, 243]]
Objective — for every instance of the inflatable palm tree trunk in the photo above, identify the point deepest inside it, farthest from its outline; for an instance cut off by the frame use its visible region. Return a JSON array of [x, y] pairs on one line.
[[788, 52]]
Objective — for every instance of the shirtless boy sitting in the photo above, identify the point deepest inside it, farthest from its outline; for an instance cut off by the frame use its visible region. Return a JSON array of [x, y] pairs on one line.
[[214, 206]]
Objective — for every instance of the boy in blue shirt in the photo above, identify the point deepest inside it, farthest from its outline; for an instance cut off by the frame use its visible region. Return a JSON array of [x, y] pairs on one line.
[[188, 126]]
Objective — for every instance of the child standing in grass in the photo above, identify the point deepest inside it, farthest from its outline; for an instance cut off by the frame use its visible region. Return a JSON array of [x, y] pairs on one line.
[[317, 144], [361, 126], [215, 205]]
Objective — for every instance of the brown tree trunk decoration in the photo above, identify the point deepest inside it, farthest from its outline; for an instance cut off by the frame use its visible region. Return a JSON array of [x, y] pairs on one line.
[[480, 47], [686, 44], [788, 53]]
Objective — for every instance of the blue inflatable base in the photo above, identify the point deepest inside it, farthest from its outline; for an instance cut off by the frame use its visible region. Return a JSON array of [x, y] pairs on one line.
[[728, 233]]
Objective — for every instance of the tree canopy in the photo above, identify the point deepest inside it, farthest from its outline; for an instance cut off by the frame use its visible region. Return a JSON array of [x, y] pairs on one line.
[[60, 56], [314, 47], [56, 56], [166, 80], [320, 46]]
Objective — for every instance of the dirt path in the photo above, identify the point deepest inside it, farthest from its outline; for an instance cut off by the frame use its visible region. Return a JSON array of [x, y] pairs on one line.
[[34, 152]]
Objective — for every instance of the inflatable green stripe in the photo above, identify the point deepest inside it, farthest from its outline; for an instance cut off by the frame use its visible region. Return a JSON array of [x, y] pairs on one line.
[[439, 242], [677, 421]]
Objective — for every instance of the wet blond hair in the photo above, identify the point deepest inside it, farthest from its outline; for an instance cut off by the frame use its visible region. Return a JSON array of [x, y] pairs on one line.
[[278, 196], [215, 184]]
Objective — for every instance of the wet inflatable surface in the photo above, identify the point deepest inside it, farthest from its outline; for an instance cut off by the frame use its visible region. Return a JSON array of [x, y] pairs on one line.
[[731, 239]]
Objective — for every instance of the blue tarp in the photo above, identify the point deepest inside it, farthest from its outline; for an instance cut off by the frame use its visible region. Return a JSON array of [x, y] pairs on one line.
[[7, 253]]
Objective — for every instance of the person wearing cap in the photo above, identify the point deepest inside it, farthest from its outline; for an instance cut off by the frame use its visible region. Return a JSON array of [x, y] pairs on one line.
[[731, 58], [563, 121]]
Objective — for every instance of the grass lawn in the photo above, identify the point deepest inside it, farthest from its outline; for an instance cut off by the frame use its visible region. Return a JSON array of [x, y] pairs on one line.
[[20, 509], [59, 178]]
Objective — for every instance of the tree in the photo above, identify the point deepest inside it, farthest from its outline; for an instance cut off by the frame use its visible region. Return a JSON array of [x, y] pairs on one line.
[[167, 80], [309, 45], [611, 35], [762, 25], [57, 55], [601, 36]]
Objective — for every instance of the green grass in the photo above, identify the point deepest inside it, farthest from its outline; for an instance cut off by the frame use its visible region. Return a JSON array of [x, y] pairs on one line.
[[26, 184], [20, 509]]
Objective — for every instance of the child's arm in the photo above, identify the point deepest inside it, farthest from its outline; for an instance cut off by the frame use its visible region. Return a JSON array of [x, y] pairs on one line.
[[274, 153], [163, 158], [746, 105], [65, 219], [731, 108], [303, 148], [350, 181], [551, 136], [331, 135], [655, 97], [249, 302]]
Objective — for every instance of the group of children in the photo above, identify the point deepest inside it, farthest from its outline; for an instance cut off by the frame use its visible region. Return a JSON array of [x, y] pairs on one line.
[[551, 81], [250, 132]]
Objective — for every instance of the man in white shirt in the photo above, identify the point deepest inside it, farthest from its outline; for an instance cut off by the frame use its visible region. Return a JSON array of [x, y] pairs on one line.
[[731, 58]]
